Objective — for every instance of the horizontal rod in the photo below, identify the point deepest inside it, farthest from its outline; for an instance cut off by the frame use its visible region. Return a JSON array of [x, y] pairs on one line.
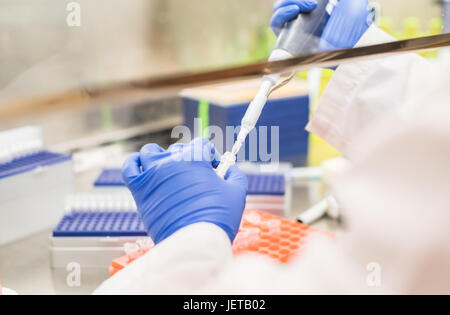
[[141, 88]]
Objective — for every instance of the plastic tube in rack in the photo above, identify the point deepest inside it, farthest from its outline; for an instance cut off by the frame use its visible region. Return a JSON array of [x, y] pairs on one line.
[[131, 250]]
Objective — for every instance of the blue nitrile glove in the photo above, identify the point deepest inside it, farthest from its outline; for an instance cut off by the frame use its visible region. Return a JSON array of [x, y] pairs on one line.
[[348, 22], [286, 10], [178, 187]]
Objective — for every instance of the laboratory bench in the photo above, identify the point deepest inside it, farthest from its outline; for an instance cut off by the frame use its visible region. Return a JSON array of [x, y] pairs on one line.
[[25, 264]]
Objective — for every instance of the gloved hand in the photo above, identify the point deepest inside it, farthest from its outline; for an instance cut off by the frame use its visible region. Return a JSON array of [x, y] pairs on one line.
[[286, 10], [348, 22], [178, 187]]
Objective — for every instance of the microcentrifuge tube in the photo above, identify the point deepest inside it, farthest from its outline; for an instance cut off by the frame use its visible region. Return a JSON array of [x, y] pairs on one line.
[[253, 218], [145, 244], [131, 250]]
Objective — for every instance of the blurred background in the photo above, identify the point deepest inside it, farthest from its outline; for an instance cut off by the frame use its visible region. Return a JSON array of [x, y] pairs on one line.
[[120, 40]]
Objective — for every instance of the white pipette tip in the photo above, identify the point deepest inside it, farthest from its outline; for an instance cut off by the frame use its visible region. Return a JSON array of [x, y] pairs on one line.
[[252, 114], [227, 161]]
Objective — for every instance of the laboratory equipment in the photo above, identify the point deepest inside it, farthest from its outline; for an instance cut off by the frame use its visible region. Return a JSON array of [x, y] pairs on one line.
[[101, 201], [279, 134], [95, 229], [18, 143], [266, 191], [269, 187], [329, 171], [273, 236], [327, 206], [100, 224], [260, 233], [109, 179], [99, 94], [299, 36], [33, 184], [132, 251]]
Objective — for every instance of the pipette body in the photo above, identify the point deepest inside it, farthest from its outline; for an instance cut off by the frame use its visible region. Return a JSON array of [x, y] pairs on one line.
[[256, 106], [299, 36]]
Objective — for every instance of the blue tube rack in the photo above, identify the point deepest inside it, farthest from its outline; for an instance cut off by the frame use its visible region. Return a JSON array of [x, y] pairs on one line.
[[31, 162], [101, 224], [258, 184], [273, 185], [110, 178]]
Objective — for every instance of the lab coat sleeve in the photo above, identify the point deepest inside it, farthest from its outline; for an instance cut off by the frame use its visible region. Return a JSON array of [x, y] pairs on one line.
[[182, 264], [362, 92]]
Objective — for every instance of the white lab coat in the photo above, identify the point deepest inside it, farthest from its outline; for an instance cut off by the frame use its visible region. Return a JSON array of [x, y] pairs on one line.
[[391, 117]]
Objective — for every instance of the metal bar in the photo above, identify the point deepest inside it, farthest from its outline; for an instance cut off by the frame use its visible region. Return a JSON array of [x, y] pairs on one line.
[[85, 96]]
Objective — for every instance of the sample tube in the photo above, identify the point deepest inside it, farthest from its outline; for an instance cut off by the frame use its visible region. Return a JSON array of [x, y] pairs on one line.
[[131, 250]]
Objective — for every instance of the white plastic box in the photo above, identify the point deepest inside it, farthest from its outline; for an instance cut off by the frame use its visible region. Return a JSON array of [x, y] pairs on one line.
[[89, 252], [33, 185], [86, 235]]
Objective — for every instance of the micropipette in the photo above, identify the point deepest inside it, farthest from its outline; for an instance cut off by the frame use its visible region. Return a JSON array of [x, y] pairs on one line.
[[299, 36]]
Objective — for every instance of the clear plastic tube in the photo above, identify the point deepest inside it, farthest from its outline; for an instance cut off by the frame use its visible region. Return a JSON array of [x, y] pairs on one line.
[[145, 244], [131, 250]]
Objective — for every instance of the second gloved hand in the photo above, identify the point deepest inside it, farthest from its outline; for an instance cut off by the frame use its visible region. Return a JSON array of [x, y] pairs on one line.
[[347, 24], [178, 187]]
